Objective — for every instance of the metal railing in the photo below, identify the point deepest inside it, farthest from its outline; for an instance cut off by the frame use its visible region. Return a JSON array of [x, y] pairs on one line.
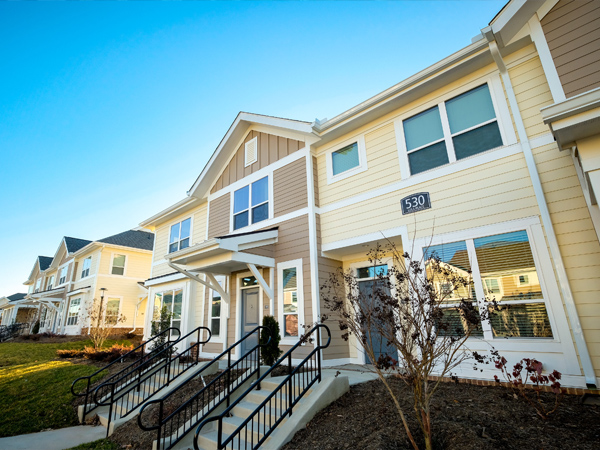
[[132, 389], [172, 428], [137, 363], [258, 426]]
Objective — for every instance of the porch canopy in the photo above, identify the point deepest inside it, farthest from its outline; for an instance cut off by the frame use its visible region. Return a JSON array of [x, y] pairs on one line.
[[49, 298], [224, 255]]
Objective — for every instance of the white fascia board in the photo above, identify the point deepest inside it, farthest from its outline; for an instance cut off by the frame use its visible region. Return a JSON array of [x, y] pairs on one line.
[[574, 105], [399, 89], [513, 17], [236, 131], [235, 243], [174, 210]]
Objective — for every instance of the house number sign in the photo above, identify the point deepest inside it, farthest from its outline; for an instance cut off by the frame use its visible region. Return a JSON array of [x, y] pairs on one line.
[[415, 202]]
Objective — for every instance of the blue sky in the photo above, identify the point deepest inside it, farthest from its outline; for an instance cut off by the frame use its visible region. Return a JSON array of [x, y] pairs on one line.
[[109, 111]]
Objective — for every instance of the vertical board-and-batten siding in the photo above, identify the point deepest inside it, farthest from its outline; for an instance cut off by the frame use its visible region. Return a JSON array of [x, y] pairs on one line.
[[218, 217], [572, 30], [289, 188], [270, 148]]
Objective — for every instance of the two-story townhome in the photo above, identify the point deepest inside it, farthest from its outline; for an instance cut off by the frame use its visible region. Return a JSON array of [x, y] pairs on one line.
[[111, 270], [459, 160]]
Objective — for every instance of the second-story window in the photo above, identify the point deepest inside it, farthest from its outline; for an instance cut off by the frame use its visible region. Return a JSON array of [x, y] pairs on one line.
[[50, 283], [38, 283], [345, 159], [118, 265], [87, 263], [458, 128], [180, 235], [251, 204], [63, 275]]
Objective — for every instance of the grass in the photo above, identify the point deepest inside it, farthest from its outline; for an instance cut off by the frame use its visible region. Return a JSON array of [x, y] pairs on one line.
[[35, 390], [102, 444]]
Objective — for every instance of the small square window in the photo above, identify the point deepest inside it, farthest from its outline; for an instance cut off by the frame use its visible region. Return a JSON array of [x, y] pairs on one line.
[[251, 204], [345, 159]]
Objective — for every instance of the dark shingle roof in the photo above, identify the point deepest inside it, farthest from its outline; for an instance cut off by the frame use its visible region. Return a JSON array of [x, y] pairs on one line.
[[45, 262], [15, 297], [132, 238], [74, 244]]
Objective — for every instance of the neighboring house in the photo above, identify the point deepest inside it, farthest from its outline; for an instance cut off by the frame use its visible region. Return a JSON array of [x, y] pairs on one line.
[[11, 312], [82, 271]]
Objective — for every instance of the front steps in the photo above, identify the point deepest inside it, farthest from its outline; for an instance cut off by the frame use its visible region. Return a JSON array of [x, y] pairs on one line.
[[147, 391], [316, 398]]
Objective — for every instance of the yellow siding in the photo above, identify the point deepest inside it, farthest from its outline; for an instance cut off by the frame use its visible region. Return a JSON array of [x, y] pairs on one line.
[[380, 142], [497, 191]]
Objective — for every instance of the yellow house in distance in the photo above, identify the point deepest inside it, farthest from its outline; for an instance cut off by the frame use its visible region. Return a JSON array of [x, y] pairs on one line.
[[491, 155], [111, 270]]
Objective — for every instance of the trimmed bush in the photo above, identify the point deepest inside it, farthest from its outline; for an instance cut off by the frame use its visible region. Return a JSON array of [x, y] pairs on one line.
[[100, 354], [270, 352]]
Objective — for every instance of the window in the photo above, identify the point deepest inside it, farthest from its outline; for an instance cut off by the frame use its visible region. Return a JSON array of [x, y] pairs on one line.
[[180, 235], [73, 312], [87, 263], [458, 128], [346, 161], [215, 309], [38, 283], [43, 315], [63, 275], [172, 300], [290, 298], [251, 204], [50, 283], [118, 265], [502, 261], [112, 311]]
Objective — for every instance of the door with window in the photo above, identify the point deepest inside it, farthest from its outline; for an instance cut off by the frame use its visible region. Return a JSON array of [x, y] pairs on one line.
[[250, 308], [371, 286]]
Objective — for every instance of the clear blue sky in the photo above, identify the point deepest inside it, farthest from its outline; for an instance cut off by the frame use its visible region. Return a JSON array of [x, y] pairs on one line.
[[109, 111]]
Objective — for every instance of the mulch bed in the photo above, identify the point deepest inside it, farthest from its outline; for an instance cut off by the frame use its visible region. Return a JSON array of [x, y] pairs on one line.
[[465, 417]]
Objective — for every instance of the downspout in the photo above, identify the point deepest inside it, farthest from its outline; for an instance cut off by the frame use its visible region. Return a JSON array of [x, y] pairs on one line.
[[561, 273], [137, 307]]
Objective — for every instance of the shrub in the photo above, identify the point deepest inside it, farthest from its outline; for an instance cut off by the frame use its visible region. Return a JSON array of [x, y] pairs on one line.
[[270, 350], [529, 369], [36, 328], [97, 354], [158, 326]]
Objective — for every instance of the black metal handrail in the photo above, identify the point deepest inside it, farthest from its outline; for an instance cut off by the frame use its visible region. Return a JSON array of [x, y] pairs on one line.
[[286, 395], [131, 393], [195, 409], [9, 331], [139, 361]]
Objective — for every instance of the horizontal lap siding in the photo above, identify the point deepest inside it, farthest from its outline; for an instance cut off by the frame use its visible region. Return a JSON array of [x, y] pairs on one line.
[[270, 148], [497, 191], [572, 30], [576, 237], [531, 89], [289, 188], [218, 217]]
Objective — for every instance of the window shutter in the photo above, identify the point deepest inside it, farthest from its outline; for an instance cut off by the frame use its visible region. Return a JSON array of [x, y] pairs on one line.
[[251, 151]]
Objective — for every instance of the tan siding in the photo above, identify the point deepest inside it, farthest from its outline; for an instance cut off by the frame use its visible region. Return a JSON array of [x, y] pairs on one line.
[[218, 216], [270, 148], [572, 30], [289, 188], [316, 180]]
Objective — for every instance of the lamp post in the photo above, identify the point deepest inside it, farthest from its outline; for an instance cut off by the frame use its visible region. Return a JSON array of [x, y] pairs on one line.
[[102, 291]]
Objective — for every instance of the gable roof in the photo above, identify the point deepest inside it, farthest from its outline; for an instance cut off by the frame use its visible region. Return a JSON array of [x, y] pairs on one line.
[[132, 238], [44, 262], [75, 244], [15, 297]]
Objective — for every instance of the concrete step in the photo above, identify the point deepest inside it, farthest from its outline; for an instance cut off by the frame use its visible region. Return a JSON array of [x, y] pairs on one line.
[[208, 441]]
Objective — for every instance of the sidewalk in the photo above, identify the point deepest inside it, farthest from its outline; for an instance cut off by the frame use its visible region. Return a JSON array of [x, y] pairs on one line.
[[54, 439]]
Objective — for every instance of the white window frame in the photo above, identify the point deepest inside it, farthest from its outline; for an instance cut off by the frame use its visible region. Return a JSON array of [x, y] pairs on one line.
[[292, 264], [269, 203], [85, 274], [362, 160], [222, 280], [178, 241], [561, 340], [62, 279], [113, 297], [112, 264], [181, 320], [38, 284], [76, 316], [50, 282], [501, 111]]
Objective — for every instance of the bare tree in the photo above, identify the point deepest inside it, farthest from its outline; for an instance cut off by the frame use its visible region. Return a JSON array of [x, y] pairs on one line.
[[412, 322], [101, 324]]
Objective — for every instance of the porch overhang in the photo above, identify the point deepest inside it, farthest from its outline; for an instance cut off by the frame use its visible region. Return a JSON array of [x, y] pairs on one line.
[[358, 247], [47, 295]]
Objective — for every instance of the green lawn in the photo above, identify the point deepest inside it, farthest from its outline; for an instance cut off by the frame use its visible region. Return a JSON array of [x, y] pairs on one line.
[[35, 391]]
